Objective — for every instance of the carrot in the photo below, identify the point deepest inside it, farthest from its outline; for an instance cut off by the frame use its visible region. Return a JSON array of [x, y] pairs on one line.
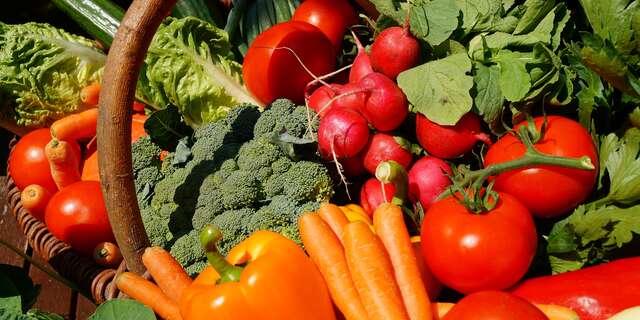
[[35, 198], [441, 308], [389, 224], [372, 273], [166, 271], [76, 126], [334, 217], [107, 254], [327, 253], [147, 293], [90, 94], [63, 163]]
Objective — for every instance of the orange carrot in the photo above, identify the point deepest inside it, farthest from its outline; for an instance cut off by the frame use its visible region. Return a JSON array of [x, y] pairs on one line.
[[389, 224], [90, 94], [147, 293], [107, 254], [334, 217], [372, 273], [166, 271], [63, 163], [327, 253], [76, 126], [35, 198]]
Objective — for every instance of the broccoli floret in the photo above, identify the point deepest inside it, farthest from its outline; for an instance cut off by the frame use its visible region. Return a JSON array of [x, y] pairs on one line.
[[144, 154], [209, 139], [305, 181], [167, 168], [233, 224], [264, 174], [209, 206], [283, 115], [257, 154], [147, 178], [187, 249], [195, 268], [241, 189], [157, 227], [240, 121], [302, 122], [281, 165], [281, 215]]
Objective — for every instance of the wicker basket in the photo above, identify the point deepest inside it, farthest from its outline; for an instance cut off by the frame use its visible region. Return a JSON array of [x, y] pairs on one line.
[[114, 130]]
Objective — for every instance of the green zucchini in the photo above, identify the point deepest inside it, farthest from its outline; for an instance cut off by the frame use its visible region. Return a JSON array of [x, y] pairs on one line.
[[99, 18]]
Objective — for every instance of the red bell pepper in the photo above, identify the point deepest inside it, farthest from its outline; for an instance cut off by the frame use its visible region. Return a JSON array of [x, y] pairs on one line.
[[595, 293]]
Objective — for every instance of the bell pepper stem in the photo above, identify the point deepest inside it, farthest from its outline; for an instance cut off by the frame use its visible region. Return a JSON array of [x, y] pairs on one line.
[[209, 236], [392, 172]]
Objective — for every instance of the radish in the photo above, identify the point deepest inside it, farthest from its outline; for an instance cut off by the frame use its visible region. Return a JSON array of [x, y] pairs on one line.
[[352, 96], [395, 50], [372, 195], [320, 100], [450, 142], [342, 134], [354, 166], [386, 105], [383, 147], [361, 64], [427, 180]]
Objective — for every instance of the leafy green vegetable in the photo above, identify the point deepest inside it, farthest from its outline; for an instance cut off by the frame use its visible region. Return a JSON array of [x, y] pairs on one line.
[[488, 99], [117, 309], [434, 20], [621, 160], [448, 98], [17, 294], [166, 127], [190, 65], [514, 79], [43, 70], [485, 16]]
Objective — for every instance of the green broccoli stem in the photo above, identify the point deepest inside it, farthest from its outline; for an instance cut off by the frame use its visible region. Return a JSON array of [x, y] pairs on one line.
[[392, 172], [209, 236], [532, 157]]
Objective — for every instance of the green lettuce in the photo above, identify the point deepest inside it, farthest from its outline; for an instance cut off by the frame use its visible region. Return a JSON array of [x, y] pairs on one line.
[[190, 65], [42, 70]]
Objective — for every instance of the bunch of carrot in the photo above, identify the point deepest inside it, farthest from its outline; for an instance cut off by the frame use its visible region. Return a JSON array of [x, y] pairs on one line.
[[369, 276], [170, 278]]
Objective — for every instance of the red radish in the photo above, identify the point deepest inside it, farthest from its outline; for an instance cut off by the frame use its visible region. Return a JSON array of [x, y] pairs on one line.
[[450, 142], [320, 99], [427, 180], [372, 196], [361, 64], [383, 147], [354, 166], [386, 105], [395, 50], [352, 96], [342, 134]]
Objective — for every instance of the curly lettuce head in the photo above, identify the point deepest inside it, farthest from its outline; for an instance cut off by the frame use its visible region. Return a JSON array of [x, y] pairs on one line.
[[43, 69]]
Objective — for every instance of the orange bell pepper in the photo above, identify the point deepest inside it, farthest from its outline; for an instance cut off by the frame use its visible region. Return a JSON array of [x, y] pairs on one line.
[[265, 277]]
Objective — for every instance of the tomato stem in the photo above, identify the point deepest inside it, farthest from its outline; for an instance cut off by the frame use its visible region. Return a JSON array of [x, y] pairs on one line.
[[209, 236]]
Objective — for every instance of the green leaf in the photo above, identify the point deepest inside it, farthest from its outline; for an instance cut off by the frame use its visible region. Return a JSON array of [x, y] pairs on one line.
[[536, 10], [514, 79], [115, 309], [294, 147], [389, 8], [8, 314], [439, 89], [43, 70], [634, 117], [10, 299], [613, 20], [485, 16], [166, 128], [183, 152], [190, 65], [434, 20], [42, 315], [489, 99], [621, 159], [22, 282]]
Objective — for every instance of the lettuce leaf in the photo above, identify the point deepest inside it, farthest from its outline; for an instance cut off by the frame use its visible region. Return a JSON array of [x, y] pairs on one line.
[[190, 65], [43, 69]]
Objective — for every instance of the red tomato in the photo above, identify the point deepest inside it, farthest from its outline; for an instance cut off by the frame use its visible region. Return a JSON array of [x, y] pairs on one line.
[[271, 73], [28, 163], [332, 17], [494, 305], [472, 252], [547, 191], [77, 216]]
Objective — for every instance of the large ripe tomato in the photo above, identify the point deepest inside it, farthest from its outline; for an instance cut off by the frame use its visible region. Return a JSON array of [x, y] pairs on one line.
[[332, 17], [494, 305], [547, 191], [28, 163], [77, 216], [471, 252], [270, 71]]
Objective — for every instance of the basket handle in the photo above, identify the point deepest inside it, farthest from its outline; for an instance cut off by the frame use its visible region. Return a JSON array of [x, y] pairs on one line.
[[121, 72]]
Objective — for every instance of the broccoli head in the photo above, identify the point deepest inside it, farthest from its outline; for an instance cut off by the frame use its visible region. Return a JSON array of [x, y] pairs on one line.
[[307, 181], [257, 154], [187, 249], [282, 115], [145, 154], [157, 227], [241, 189], [233, 224]]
